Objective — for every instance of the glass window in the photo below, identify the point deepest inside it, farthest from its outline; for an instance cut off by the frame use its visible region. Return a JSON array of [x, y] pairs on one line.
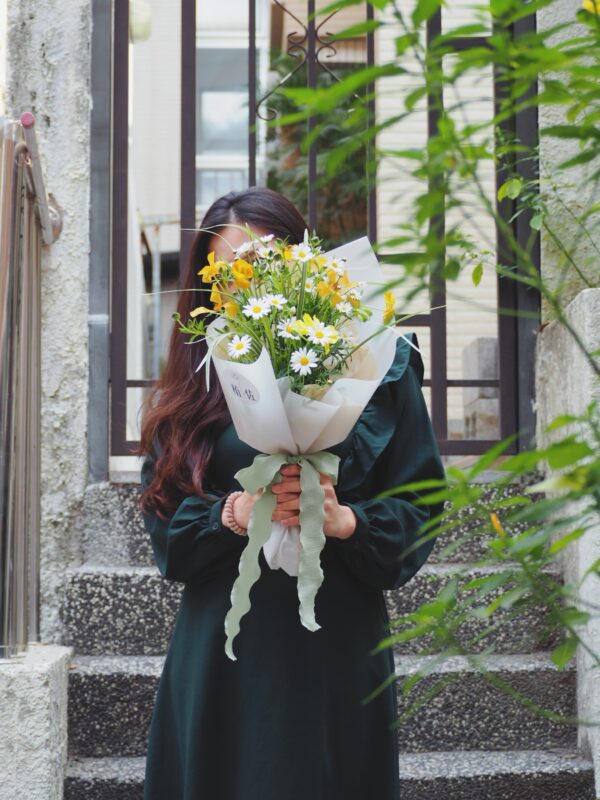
[[222, 100]]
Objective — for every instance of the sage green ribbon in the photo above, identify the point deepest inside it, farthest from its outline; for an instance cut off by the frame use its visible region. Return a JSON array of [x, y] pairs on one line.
[[264, 471]]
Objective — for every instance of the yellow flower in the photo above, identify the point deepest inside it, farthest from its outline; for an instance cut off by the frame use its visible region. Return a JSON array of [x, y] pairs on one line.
[[242, 272], [389, 312], [497, 524], [323, 288], [211, 269], [346, 283], [215, 297], [231, 308], [593, 6], [335, 298], [200, 310]]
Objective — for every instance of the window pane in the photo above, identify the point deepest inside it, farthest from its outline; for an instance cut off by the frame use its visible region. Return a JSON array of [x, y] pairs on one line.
[[222, 100]]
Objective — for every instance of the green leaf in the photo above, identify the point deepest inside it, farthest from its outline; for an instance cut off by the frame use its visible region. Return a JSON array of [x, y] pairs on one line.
[[477, 273], [561, 421], [424, 10], [562, 654], [564, 454], [560, 544], [582, 158], [359, 29], [511, 188], [574, 616], [571, 132], [451, 269], [536, 222]]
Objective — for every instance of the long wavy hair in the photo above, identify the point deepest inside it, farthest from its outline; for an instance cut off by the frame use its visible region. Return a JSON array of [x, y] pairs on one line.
[[179, 413]]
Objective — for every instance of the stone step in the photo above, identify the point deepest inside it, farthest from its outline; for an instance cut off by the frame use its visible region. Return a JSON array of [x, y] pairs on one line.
[[114, 532], [114, 778], [117, 693], [131, 610], [560, 774]]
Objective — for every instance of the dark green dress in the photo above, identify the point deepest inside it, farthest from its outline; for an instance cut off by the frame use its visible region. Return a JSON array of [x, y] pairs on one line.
[[286, 720]]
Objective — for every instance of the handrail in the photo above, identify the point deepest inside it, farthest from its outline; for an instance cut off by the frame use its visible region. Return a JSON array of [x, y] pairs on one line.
[[28, 220]]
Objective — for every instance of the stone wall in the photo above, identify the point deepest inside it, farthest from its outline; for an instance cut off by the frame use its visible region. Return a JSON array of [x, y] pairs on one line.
[[565, 384], [48, 73]]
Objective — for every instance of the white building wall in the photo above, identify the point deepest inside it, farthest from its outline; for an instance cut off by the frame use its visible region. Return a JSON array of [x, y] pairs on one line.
[[470, 309]]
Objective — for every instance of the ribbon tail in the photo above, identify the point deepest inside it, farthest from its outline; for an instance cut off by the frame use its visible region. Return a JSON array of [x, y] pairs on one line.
[[312, 539], [259, 530]]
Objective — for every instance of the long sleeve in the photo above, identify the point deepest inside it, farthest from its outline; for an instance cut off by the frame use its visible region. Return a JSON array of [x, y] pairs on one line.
[[387, 526], [193, 544]]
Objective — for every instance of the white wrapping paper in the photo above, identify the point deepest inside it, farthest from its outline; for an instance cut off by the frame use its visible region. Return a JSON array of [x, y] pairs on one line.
[[272, 419]]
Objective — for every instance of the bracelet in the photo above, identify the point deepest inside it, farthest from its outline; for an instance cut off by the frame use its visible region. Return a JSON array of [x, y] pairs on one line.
[[228, 514]]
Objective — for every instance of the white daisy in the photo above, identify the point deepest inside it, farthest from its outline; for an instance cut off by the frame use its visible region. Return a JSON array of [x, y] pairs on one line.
[[344, 307], [302, 252], [276, 300], [309, 285], [244, 247], [285, 330], [303, 360], [337, 265], [267, 237], [264, 252], [256, 307], [319, 333], [239, 345]]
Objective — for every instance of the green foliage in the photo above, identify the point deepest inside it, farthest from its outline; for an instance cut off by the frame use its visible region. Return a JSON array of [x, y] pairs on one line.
[[547, 499]]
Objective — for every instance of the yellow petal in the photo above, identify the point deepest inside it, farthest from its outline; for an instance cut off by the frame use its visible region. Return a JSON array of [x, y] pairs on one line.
[[231, 308], [243, 267], [497, 524], [200, 310], [240, 281], [299, 326], [323, 288]]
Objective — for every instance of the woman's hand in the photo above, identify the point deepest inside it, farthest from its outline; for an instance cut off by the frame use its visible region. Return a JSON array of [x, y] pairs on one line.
[[340, 520], [242, 507]]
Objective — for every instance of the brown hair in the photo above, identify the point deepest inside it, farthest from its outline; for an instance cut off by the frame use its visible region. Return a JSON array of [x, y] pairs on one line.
[[179, 412]]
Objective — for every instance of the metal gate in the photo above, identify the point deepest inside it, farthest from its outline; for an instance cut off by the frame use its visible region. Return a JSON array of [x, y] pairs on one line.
[[307, 45]]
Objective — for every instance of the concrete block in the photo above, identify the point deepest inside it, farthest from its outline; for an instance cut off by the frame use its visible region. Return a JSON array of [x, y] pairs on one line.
[[33, 721]]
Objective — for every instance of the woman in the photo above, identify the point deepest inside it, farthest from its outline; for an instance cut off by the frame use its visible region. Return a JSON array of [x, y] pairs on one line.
[[285, 720]]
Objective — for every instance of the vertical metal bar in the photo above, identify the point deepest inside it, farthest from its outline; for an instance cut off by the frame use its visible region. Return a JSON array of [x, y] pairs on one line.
[[100, 245], [437, 293], [251, 92], [34, 426], [22, 432], [118, 353], [156, 284], [312, 150], [507, 327], [188, 131], [9, 287], [527, 297], [370, 160]]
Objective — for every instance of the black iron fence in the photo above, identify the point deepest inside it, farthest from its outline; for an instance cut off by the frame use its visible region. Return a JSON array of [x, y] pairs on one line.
[[306, 46]]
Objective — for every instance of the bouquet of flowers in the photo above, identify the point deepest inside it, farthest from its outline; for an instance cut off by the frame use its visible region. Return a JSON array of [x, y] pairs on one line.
[[300, 341]]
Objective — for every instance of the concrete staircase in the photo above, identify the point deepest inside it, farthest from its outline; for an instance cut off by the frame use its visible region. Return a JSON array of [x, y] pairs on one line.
[[469, 742]]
